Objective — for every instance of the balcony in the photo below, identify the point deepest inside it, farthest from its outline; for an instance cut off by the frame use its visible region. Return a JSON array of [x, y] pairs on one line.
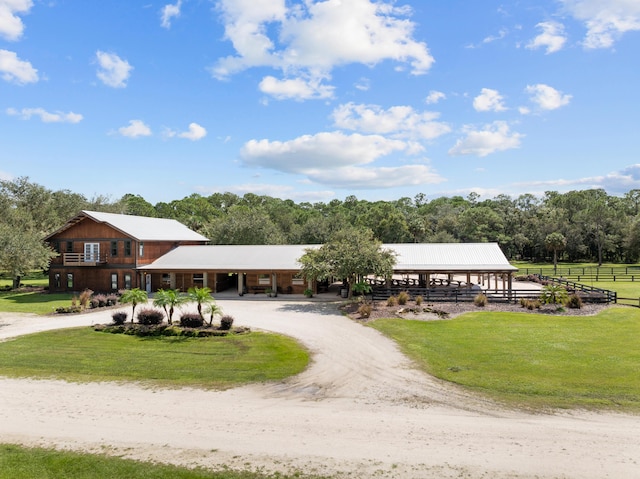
[[81, 259]]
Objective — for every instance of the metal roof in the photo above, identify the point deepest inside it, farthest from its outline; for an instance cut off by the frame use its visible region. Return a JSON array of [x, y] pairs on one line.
[[141, 228], [428, 257]]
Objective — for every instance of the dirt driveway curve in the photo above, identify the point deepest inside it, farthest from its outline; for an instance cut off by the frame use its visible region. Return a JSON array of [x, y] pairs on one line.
[[360, 410]]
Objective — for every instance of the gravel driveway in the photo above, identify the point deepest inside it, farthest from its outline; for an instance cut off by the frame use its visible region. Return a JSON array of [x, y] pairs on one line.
[[359, 410]]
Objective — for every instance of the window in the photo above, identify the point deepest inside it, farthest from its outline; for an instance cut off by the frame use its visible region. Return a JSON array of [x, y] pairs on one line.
[[141, 249], [264, 279], [127, 248], [69, 246], [127, 281], [69, 280], [114, 281], [114, 248], [56, 280], [297, 281], [166, 280], [198, 280], [91, 252]]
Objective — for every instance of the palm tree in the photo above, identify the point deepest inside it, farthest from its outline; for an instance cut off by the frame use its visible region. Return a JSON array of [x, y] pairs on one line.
[[214, 310], [134, 296], [169, 299], [200, 296]]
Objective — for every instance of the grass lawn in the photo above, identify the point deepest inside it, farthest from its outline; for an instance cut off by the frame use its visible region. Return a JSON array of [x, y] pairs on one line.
[[532, 361], [32, 302], [27, 463], [81, 355], [32, 279]]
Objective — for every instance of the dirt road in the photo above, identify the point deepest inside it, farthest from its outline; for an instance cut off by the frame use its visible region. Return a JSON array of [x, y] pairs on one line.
[[359, 410]]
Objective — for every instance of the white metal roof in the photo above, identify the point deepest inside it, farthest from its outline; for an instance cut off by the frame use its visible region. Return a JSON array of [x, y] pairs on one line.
[[410, 257], [143, 228]]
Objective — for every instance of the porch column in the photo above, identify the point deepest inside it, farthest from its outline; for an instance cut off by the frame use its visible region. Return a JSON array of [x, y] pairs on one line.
[[172, 280], [468, 280], [274, 283], [215, 283], [240, 283]]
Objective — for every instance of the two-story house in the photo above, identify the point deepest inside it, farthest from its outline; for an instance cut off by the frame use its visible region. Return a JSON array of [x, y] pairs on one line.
[[103, 251]]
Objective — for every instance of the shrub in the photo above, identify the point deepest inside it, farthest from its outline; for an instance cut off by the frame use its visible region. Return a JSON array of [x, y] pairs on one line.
[[119, 317], [419, 300], [365, 310], [574, 301], [226, 322], [403, 297], [112, 299], [85, 298], [150, 316], [553, 294], [530, 303], [191, 320], [101, 299], [392, 301], [94, 303], [480, 300]]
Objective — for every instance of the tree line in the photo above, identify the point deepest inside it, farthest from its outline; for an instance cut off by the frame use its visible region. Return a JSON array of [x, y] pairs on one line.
[[585, 225]]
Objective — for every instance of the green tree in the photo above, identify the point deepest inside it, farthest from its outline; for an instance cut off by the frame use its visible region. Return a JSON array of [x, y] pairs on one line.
[[135, 297], [351, 255], [555, 242], [22, 251], [169, 299], [214, 310], [201, 296]]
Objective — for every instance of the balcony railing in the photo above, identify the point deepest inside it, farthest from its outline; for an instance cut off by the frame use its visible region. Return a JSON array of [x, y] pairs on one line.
[[81, 259]]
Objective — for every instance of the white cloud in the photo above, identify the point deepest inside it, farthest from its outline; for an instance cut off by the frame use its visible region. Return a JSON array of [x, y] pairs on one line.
[[546, 97], [14, 70], [195, 133], [434, 97], [376, 178], [11, 26], [400, 121], [489, 100], [113, 71], [136, 128], [493, 137], [606, 21], [552, 37], [314, 37], [319, 151], [295, 88], [45, 116], [363, 84], [169, 12]]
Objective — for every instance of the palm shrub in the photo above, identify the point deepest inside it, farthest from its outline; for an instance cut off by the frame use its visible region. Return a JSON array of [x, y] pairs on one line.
[[150, 316], [554, 294], [169, 300], [213, 310], [134, 296], [201, 296]]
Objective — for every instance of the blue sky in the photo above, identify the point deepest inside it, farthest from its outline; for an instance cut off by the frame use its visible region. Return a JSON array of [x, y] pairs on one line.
[[316, 100]]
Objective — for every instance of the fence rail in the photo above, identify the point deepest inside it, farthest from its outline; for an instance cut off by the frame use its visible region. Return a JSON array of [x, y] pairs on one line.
[[590, 274]]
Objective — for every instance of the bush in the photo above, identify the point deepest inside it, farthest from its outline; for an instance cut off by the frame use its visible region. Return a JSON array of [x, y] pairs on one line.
[[112, 299], [226, 322], [191, 320], [392, 301], [419, 300], [574, 301], [403, 297], [85, 298], [480, 300], [119, 317], [365, 310], [553, 294], [530, 303], [101, 299], [149, 316]]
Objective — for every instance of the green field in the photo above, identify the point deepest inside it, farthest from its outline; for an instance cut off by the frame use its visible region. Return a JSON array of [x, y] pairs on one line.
[[82, 355], [532, 361], [28, 463]]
